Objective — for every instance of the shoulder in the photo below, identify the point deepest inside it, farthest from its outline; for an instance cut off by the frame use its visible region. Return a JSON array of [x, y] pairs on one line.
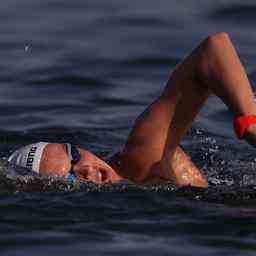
[[132, 163]]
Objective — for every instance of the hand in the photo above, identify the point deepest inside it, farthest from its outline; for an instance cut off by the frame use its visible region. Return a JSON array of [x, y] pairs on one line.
[[181, 170]]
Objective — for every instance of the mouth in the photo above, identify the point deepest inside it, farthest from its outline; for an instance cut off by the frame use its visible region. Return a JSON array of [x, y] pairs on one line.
[[97, 174], [104, 176]]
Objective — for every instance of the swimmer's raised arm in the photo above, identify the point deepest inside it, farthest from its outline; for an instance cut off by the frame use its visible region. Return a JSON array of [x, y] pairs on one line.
[[152, 147], [213, 67]]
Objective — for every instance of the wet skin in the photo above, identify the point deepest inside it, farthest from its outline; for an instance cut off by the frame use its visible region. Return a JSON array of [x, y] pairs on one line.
[[151, 153]]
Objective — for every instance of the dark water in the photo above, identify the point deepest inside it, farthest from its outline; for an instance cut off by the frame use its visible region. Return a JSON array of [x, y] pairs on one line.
[[81, 71]]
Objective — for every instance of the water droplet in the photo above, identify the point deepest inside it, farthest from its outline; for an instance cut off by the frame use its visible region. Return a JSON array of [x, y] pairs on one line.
[[27, 48]]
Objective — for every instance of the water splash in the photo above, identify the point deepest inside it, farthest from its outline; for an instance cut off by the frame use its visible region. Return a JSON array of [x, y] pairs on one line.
[[232, 179]]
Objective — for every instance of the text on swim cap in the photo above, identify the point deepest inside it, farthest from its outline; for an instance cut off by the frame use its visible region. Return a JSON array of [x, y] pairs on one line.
[[31, 156]]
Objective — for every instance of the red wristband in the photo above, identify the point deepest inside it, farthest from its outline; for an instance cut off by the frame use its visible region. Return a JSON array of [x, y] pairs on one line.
[[241, 123]]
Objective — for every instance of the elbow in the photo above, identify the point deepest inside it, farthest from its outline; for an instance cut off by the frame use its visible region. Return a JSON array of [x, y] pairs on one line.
[[211, 52], [217, 39]]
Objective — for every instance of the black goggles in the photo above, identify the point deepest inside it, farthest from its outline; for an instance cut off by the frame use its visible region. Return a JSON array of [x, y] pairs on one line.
[[74, 156]]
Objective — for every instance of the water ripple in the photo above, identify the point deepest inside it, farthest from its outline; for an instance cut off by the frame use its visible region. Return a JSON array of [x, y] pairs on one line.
[[242, 13]]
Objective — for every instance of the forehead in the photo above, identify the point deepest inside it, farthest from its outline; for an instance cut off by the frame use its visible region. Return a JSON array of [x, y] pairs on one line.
[[54, 158]]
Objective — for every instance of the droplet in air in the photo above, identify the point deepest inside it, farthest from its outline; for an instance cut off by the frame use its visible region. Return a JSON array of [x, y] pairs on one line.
[[27, 48]]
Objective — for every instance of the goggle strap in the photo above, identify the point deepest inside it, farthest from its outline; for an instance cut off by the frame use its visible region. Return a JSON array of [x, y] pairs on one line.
[[68, 145]]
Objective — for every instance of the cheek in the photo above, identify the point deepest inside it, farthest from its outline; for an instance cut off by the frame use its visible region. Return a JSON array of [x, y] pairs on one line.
[[87, 159]]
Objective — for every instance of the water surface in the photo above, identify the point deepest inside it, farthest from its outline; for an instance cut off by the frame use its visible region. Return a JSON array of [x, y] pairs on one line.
[[81, 72]]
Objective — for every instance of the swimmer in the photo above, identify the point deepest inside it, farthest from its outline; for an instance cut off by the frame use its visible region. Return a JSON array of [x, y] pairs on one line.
[[151, 154]]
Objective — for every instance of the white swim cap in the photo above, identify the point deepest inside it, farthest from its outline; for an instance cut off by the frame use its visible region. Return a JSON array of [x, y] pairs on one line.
[[28, 156]]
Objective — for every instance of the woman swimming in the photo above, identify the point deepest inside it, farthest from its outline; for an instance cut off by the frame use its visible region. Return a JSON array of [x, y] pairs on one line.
[[152, 154]]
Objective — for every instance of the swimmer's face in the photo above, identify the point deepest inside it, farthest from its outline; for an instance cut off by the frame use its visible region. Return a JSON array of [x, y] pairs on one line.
[[55, 161]]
